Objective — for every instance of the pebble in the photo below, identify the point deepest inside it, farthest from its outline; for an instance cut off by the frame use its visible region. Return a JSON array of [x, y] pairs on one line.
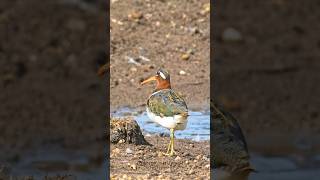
[[160, 154], [178, 158], [206, 9], [133, 166], [207, 166], [191, 171], [133, 69], [182, 72], [198, 157], [231, 35], [135, 15], [116, 151], [129, 151], [185, 56]]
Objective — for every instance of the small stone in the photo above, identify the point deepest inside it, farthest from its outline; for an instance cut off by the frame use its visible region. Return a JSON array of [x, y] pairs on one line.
[[135, 15], [231, 35], [198, 157], [178, 158], [133, 69], [206, 9], [129, 151], [207, 166], [121, 141], [185, 56], [187, 162], [191, 171], [160, 154], [133, 166], [157, 23], [116, 151], [182, 72], [132, 80]]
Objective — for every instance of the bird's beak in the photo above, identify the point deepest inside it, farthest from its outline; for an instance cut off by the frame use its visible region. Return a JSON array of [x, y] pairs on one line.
[[152, 78]]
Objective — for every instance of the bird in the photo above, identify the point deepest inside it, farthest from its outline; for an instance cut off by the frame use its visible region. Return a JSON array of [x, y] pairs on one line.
[[229, 150], [166, 107]]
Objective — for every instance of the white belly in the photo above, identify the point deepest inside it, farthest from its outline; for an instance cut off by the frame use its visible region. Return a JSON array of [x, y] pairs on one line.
[[176, 122]]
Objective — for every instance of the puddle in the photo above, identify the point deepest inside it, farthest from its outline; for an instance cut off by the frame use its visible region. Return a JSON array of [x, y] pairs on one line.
[[198, 127]]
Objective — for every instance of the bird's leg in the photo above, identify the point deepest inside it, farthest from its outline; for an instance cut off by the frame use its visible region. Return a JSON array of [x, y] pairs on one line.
[[169, 147], [172, 152]]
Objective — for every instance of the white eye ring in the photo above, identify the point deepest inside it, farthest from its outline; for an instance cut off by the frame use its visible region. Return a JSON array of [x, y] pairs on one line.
[[162, 75]]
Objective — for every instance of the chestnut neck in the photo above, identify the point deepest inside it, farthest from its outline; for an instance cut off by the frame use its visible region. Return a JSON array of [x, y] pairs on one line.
[[163, 84]]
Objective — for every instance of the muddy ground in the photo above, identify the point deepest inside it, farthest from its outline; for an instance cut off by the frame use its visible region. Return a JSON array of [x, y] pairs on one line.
[[192, 160]]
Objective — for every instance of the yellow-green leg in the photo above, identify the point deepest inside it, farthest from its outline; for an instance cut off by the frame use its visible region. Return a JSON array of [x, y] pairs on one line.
[[169, 147], [170, 150]]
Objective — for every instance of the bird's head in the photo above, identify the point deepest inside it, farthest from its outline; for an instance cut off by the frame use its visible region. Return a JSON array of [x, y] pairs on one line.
[[162, 78]]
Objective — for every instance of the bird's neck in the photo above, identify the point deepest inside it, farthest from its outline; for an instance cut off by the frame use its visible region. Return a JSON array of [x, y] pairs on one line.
[[163, 85]]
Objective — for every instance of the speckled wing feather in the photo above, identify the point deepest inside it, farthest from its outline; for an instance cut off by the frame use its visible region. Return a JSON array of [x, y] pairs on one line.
[[229, 147], [167, 103]]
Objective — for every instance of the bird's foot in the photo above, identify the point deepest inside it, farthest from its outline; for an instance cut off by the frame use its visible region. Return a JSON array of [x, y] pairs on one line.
[[171, 153]]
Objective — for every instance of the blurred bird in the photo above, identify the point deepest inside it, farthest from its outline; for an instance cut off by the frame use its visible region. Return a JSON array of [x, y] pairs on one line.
[[166, 107], [230, 156]]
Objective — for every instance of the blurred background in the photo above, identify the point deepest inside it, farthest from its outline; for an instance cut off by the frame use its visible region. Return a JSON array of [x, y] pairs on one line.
[[266, 73], [53, 105]]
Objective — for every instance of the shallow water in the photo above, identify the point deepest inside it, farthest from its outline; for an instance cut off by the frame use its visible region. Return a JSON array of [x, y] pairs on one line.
[[198, 126]]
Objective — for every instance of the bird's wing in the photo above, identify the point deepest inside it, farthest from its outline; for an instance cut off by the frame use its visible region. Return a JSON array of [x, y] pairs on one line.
[[167, 103]]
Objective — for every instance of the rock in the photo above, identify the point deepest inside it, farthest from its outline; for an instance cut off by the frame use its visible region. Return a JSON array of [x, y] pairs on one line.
[[231, 35], [126, 129], [160, 154], [129, 151], [178, 158], [132, 166], [133, 69], [191, 172], [116, 151], [198, 157], [206, 9], [135, 15], [207, 166], [185, 56], [182, 72]]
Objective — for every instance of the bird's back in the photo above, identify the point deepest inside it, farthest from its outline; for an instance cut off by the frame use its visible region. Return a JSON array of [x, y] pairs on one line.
[[168, 109], [167, 102]]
